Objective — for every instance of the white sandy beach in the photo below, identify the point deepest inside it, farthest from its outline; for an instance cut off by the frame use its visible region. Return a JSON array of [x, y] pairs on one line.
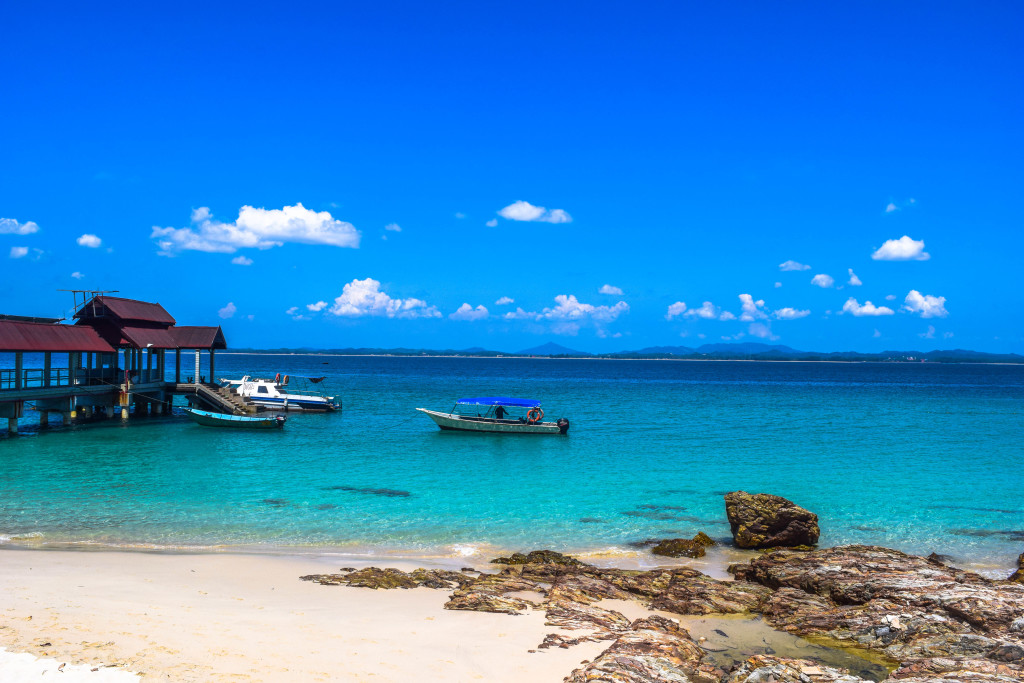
[[219, 617]]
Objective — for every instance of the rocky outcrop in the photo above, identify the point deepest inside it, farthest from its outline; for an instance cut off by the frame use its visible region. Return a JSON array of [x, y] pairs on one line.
[[1018, 576], [761, 668], [539, 557], [684, 547], [374, 577], [762, 520]]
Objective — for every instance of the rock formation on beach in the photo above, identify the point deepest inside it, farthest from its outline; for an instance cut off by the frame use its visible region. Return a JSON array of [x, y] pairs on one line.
[[928, 621], [1018, 575], [762, 520], [684, 547]]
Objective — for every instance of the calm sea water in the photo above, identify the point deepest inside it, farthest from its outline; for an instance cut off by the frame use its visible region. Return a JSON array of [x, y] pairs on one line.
[[913, 456]]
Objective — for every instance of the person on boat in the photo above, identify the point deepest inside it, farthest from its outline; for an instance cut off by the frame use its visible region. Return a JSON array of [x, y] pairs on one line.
[[500, 412]]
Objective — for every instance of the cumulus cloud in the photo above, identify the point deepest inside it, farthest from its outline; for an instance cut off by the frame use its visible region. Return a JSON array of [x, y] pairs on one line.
[[777, 285], [854, 281], [363, 298], [903, 249], [790, 314], [19, 252], [467, 312], [761, 330], [676, 309], [292, 311], [929, 333], [317, 307], [822, 280], [256, 228], [77, 275], [520, 314], [926, 305], [793, 265], [504, 301], [89, 240], [459, 214], [393, 227], [707, 311], [868, 309], [751, 310], [242, 261], [493, 223], [893, 206], [569, 308], [727, 315], [877, 334], [9, 226], [609, 289], [525, 211], [227, 311]]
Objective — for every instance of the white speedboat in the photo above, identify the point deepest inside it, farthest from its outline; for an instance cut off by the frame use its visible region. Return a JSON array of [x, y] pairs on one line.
[[492, 414], [274, 393]]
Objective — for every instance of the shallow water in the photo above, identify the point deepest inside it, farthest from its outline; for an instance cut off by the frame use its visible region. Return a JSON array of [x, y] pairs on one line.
[[919, 457]]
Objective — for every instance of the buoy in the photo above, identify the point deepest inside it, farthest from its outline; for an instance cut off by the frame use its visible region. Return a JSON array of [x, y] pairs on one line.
[[124, 413]]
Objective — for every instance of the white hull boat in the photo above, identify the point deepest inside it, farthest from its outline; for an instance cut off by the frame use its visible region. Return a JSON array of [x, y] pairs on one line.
[[496, 419], [274, 394]]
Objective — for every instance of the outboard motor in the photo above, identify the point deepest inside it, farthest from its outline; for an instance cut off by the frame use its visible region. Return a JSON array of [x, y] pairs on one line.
[[563, 425]]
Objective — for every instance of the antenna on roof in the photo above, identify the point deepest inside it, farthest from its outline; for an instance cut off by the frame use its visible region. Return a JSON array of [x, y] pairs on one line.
[[87, 296]]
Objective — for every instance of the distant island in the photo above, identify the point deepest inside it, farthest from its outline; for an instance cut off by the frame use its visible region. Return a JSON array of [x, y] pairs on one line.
[[741, 351]]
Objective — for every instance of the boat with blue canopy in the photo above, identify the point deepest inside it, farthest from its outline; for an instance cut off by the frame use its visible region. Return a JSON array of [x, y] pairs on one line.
[[497, 414], [209, 419]]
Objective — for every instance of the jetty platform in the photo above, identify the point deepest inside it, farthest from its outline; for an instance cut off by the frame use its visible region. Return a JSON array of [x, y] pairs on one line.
[[110, 359]]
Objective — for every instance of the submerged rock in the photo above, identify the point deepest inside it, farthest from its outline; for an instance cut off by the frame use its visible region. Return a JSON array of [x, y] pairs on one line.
[[679, 547], [762, 520]]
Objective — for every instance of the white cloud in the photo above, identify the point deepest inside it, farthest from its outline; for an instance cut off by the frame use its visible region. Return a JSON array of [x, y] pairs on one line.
[[467, 312], [504, 301], [927, 305], [317, 307], [9, 226], [854, 281], [890, 297], [292, 311], [903, 249], [242, 261], [727, 315], [676, 309], [790, 314], [822, 280], [761, 330], [256, 228], [525, 211], [777, 285], [364, 298], [609, 289], [890, 207], [569, 308], [227, 311], [947, 335], [459, 214], [520, 314], [89, 240], [877, 334], [851, 306], [19, 252], [793, 265], [752, 310], [77, 275], [708, 311], [393, 227], [929, 334], [493, 223]]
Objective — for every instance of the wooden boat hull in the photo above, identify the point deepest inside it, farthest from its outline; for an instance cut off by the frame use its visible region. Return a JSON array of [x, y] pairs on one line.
[[454, 422], [208, 419]]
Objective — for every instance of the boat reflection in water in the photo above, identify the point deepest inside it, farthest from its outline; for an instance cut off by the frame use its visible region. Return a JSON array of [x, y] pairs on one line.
[[492, 414]]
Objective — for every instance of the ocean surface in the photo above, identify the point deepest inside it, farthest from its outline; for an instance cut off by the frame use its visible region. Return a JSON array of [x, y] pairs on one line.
[[920, 457]]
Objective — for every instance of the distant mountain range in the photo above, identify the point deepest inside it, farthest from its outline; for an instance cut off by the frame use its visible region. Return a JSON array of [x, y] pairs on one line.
[[742, 351]]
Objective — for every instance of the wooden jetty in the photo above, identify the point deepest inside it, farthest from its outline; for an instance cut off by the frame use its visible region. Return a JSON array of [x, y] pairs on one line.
[[116, 353]]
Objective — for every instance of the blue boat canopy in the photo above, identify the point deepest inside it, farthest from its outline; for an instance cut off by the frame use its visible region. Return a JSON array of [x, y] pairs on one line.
[[500, 401]]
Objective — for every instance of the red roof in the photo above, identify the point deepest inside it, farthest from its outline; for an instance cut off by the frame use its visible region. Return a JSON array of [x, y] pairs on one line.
[[142, 337], [126, 309], [15, 336], [191, 337]]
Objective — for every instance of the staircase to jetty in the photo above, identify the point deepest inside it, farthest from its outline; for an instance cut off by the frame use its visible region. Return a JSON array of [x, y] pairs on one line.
[[220, 398]]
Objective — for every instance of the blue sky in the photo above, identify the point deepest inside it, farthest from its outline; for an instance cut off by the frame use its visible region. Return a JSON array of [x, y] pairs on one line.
[[351, 175]]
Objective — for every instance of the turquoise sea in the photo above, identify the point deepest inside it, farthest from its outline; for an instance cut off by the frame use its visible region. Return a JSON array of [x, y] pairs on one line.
[[920, 457]]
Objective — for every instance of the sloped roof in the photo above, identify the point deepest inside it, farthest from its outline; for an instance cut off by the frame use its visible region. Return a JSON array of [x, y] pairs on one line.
[[142, 337], [193, 337], [19, 336], [128, 309]]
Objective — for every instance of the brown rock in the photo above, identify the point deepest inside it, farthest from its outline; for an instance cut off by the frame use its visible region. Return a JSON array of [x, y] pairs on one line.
[[761, 668], [538, 557], [679, 547], [766, 521], [1018, 576], [374, 577]]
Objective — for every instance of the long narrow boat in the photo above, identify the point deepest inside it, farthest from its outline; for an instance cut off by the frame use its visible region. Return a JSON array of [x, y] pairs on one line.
[[496, 418], [208, 419]]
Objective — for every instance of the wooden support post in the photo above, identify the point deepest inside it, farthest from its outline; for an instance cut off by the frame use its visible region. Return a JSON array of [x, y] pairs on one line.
[[212, 375], [177, 366], [44, 418], [19, 370], [66, 417], [12, 425], [196, 378], [47, 365]]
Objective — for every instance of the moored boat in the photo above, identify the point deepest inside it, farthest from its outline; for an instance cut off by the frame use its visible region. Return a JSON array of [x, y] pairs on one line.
[[209, 419], [274, 393], [493, 415]]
